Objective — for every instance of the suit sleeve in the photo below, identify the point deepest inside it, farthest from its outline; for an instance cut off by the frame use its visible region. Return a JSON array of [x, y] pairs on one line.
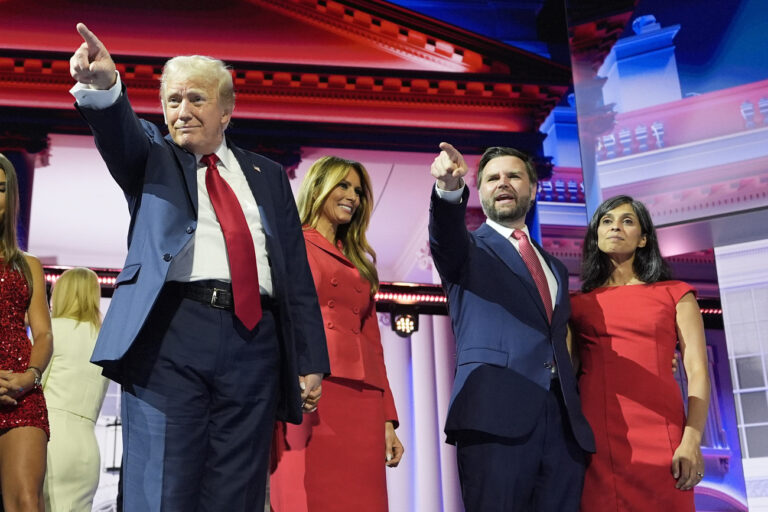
[[123, 141], [314, 266], [372, 335], [311, 350], [448, 235]]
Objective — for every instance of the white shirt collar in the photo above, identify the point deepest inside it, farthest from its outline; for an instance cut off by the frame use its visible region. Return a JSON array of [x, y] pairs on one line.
[[222, 152], [505, 231]]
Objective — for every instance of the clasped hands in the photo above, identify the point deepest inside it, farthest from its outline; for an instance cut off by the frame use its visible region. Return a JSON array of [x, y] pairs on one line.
[[311, 391], [14, 385], [311, 386]]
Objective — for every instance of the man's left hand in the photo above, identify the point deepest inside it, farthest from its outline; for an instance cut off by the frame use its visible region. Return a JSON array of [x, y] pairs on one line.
[[311, 390]]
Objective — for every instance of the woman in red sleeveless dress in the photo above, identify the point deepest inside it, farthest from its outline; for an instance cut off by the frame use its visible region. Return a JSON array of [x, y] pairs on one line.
[[335, 460], [625, 326], [23, 416]]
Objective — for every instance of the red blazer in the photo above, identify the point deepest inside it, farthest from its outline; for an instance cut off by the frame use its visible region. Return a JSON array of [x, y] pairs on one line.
[[349, 315]]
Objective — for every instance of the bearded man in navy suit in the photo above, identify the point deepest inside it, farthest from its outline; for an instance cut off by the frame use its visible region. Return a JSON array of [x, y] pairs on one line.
[[515, 414], [205, 369]]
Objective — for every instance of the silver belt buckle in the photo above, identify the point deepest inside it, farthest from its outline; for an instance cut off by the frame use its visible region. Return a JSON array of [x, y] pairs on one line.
[[215, 296]]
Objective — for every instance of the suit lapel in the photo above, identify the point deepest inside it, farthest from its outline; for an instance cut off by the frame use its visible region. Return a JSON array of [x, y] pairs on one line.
[[188, 166], [257, 182], [315, 238], [506, 252], [562, 286]]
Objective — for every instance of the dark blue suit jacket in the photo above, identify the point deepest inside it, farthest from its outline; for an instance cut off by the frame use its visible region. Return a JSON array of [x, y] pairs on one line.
[[159, 180], [504, 342]]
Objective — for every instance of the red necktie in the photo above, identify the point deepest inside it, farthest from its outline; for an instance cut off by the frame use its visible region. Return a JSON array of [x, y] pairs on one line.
[[534, 267], [239, 242]]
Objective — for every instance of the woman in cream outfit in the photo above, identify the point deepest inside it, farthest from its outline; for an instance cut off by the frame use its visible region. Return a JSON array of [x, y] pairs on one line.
[[74, 391]]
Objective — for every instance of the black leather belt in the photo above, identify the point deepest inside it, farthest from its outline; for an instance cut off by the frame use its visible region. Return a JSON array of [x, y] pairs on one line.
[[214, 293]]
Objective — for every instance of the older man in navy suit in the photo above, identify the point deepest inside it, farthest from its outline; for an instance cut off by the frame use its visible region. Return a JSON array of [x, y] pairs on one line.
[[515, 414], [214, 329]]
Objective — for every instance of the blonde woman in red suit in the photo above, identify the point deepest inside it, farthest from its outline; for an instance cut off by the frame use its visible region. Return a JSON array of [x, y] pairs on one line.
[[335, 460]]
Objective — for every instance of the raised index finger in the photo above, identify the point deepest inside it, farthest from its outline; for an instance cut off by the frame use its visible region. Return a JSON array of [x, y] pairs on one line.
[[451, 151], [94, 45]]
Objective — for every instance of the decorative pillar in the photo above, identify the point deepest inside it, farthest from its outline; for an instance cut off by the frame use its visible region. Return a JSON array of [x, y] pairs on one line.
[[420, 371], [426, 450], [397, 359], [445, 364]]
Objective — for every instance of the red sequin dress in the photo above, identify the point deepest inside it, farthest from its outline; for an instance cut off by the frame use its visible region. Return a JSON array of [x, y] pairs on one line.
[[15, 349]]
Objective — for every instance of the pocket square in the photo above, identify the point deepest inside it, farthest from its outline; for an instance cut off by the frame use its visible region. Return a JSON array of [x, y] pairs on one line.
[[256, 168]]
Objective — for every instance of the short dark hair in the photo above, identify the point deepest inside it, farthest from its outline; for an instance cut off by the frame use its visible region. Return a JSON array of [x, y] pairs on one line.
[[497, 151], [648, 264]]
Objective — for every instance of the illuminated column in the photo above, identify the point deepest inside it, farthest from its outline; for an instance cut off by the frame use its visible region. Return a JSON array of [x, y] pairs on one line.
[[445, 364], [420, 370], [426, 449], [445, 368], [742, 271], [397, 358]]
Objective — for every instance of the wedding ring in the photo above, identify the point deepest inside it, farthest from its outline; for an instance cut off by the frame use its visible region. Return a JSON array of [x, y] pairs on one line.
[[700, 475]]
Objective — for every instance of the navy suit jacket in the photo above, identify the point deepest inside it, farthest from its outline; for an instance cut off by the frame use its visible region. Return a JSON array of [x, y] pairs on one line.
[[504, 343], [159, 180]]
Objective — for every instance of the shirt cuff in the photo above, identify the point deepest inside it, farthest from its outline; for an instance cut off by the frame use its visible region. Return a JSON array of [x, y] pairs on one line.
[[451, 196], [97, 99]]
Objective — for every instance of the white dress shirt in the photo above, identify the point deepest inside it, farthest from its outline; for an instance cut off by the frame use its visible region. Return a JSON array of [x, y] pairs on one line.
[[205, 255]]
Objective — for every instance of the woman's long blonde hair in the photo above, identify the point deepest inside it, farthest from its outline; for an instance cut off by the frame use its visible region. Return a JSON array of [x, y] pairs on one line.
[[324, 175], [76, 295], [10, 253]]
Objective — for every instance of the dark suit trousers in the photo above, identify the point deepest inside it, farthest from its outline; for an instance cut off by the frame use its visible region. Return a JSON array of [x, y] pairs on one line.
[[198, 410], [540, 472]]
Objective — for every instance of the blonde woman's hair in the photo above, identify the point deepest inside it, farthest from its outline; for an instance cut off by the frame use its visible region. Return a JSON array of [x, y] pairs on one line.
[[205, 70], [76, 295], [323, 176], [10, 254]]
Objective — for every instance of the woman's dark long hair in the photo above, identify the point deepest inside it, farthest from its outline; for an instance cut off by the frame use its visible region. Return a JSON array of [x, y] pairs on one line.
[[648, 264]]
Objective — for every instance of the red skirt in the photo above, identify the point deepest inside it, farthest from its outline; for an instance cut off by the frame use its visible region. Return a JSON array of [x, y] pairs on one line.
[[335, 460]]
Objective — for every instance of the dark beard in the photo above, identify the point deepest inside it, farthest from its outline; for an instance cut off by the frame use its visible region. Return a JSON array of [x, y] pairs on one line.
[[508, 216]]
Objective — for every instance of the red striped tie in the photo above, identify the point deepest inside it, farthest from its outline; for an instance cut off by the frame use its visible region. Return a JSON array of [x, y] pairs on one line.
[[239, 242], [534, 267]]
